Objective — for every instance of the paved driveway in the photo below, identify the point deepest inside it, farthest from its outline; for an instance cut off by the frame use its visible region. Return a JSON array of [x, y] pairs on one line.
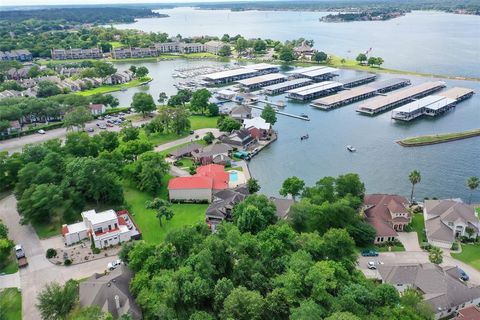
[[40, 271], [409, 241]]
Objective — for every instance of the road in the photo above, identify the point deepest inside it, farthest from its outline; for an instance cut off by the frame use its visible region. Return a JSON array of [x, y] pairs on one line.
[[40, 271]]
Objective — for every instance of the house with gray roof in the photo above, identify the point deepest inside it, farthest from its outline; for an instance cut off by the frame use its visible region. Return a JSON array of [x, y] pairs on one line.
[[283, 206], [222, 205], [441, 287], [207, 154], [185, 151], [241, 112], [446, 220], [111, 293]]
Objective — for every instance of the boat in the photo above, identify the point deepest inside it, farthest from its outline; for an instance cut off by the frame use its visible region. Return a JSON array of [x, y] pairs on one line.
[[305, 137], [303, 115], [351, 148]]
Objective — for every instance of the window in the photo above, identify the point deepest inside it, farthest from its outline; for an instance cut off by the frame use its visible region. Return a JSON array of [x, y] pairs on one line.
[[109, 227], [116, 225]]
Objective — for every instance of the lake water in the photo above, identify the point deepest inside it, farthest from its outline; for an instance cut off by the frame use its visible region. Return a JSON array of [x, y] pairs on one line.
[[431, 42], [382, 164]]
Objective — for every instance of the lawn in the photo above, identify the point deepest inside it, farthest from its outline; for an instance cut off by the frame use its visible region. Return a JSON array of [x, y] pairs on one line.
[[160, 138], [47, 230], [439, 138], [185, 214], [11, 266], [394, 248], [418, 225], [11, 304], [116, 44], [202, 122], [114, 87], [470, 255]]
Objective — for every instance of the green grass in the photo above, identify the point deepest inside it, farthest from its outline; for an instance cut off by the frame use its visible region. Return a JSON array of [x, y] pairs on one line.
[[185, 214], [114, 87], [11, 265], [470, 255], [11, 303], [439, 138], [202, 122], [234, 168], [47, 230], [478, 211], [186, 162], [161, 138], [418, 225], [394, 248], [116, 44]]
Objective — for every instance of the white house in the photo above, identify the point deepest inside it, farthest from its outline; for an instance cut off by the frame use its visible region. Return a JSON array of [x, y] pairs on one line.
[[106, 228], [446, 220], [97, 109], [214, 46]]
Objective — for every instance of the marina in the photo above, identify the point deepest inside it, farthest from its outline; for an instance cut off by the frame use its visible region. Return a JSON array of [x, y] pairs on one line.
[[432, 106], [314, 90], [261, 81], [287, 85], [381, 104], [457, 93], [344, 97], [390, 84], [300, 117], [316, 73], [357, 81]]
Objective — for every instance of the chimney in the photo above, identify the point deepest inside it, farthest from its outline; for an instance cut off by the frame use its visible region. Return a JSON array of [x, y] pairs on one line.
[[117, 302]]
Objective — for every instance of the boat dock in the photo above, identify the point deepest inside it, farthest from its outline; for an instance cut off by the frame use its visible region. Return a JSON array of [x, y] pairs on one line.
[[316, 73], [457, 93], [283, 113], [241, 73], [344, 97], [314, 90], [390, 84], [357, 81], [264, 68], [287, 85], [432, 106], [383, 103], [261, 81]]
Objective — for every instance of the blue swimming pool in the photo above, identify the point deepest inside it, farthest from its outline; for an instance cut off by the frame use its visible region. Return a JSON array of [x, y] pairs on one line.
[[233, 176]]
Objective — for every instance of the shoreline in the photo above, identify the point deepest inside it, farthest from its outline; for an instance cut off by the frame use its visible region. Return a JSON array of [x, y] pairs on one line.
[[427, 140]]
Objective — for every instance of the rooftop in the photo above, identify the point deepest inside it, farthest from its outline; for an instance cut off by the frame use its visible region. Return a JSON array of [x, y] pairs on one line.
[[256, 122], [287, 83], [229, 73], [261, 79], [100, 217], [344, 95], [316, 87], [456, 92], [433, 102]]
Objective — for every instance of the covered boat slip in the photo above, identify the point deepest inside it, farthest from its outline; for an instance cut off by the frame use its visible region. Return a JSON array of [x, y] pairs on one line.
[[344, 97], [390, 84], [264, 68], [431, 106], [287, 85], [316, 73], [314, 90], [457, 93], [357, 81], [240, 73], [261, 81], [395, 99]]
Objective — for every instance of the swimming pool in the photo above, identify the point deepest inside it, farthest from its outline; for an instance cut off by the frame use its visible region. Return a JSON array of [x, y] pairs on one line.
[[233, 176]]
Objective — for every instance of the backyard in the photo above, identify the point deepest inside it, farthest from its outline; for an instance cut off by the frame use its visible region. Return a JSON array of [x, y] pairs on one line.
[[11, 304], [470, 255], [418, 225]]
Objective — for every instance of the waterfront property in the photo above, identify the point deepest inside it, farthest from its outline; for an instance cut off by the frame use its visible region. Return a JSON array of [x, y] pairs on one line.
[[287, 85], [241, 112], [283, 207], [390, 84], [357, 81], [431, 106], [446, 220], [261, 81], [344, 97], [230, 75], [381, 104], [316, 73], [215, 153], [387, 214], [457, 93], [76, 53], [440, 286], [314, 90], [222, 205], [214, 46]]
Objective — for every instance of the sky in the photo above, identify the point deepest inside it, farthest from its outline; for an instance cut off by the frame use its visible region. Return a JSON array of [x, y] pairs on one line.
[[61, 2]]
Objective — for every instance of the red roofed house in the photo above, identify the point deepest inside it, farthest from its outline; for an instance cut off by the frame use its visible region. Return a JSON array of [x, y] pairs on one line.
[[97, 109], [470, 313], [201, 186], [387, 214]]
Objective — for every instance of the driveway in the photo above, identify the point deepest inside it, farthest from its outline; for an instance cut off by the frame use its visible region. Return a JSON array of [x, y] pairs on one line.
[[409, 241], [40, 271]]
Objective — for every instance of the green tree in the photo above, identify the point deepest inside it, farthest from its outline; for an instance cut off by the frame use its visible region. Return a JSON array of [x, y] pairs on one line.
[[470, 231], [225, 51], [141, 71], [472, 184], [104, 69], [179, 120], [47, 89], [222, 289], [241, 45], [213, 109], [148, 171], [253, 185], [6, 247], [292, 186], [435, 255], [243, 304], [55, 301], [228, 124], [319, 56], [269, 115], [308, 309], [133, 148], [106, 140], [342, 316], [254, 214], [133, 68], [79, 144], [39, 202], [414, 178], [143, 102], [162, 97], [199, 101], [208, 138], [286, 54], [77, 118], [361, 58], [349, 184], [259, 46], [129, 133], [162, 208], [89, 313]]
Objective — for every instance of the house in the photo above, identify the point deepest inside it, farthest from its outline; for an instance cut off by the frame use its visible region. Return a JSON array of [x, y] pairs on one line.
[[201, 186], [17, 74], [97, 109], [387, 214], [193, 47], [258, 127], [19, 55], [111, 293], [446, 220], [441, 287], [222, 205], [226, 94], [76, 53], [214, 46], [304, 51], [105, 228], [283, 206], [239, 139], [14, 127], [185, 151], [469, 313], [241, 112], [207, 154]]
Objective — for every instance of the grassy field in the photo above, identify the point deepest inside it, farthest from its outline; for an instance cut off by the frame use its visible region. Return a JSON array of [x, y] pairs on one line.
[[185, 214], [47, 230], [478, 211], [470, 255], [114, 87], [11, 304], [116, 44], [11, 266], [161, 138], [418, 225], [202, 122], [439, 138]]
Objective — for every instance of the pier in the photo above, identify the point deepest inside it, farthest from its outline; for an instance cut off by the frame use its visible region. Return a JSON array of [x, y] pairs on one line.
[[432, 106], [388, 85], [344, 97], [357, 81], [287, 85], [314, 90], [457, 93], [282, 113], [241, 73], [261, 81], [316, 73], [383, 103]]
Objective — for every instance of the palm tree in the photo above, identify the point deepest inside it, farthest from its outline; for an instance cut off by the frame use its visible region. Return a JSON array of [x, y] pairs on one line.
[[472, 184], [162, 208], [414, 178]]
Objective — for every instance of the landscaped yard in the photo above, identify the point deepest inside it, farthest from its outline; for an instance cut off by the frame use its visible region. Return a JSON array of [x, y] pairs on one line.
[[418, 225], [201, 122], [161, 138], [11, 266], [11, 304], [470, 255], [185, 214]]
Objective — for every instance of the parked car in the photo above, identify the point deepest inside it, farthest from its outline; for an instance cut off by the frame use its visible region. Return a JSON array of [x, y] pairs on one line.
[[114, 264], [109, 125], [102, 126], [463, 275], [371, 265], [369, 253], [41, 131], [90, 130], [19, 252], [100, 118]]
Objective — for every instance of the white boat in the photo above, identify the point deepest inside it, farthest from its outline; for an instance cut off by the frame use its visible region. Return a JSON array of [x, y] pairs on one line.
[[351, 148]]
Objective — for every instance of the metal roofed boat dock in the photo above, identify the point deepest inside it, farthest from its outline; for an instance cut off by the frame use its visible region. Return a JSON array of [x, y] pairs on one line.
[[457, 93], [344, 97], [261, 81], [314, 90], [357, 81], [316, 73], [240, 73], [431, 106], [287, 85], [264, 67], [389, 101], [390, 84]]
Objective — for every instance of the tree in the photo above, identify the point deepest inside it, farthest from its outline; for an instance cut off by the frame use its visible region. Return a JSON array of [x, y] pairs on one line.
[[435, 255], [243, 304], [38, 203], [106, 140], [319, 56], [342, 316], [228, 124], [414, 178], [349, 184], [6, 247], [254, 213], [241, 45], [199, 101], [133, 148], [162, 97], [208, 138], [253, 186], [472, 184], [162, 208], [47, 89], [143, 102], [213, 109], [269, 115], [77, 118], [179, 120], [148, 171], [225, 51], [292, 186], [129, 133], [362, 233], [361, 58], [90, 313], [55, 301], [470, 231], [104, 69], [286, 54], [259, 46], [308, 309], [141, 71], [133, 68]]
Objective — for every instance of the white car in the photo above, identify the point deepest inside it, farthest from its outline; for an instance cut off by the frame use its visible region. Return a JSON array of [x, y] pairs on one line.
[[371, 265], [41, 131], [114, 264]]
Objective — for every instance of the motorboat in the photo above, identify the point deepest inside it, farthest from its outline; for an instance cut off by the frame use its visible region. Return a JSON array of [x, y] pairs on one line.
[[351, 148], [303, 115]]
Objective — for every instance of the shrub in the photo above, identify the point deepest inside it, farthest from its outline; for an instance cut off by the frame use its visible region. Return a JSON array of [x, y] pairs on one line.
[[426, 246], [51, 253], [67, 262], [95, 250], [454, 246]]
